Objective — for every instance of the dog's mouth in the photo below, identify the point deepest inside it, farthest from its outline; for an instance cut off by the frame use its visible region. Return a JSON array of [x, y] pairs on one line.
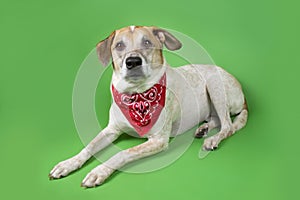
[[135, 74]]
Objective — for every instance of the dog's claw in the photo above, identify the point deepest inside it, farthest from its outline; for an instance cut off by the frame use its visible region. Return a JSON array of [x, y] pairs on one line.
[[50, 177], [211, 143], [86, 185], [54, 178], [63, 168], [209, 149]]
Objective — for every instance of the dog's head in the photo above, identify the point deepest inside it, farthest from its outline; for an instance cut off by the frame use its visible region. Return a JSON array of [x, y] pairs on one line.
[[136, 51]]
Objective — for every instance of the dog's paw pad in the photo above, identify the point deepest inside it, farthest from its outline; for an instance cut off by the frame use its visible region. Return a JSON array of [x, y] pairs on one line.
[[201, 131]]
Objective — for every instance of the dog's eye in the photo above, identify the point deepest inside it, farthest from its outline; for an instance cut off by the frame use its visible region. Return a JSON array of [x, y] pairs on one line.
[[120, 46], [147, 43]]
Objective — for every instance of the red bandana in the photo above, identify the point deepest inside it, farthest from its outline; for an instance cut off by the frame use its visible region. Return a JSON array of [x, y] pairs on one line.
[[142, 109]]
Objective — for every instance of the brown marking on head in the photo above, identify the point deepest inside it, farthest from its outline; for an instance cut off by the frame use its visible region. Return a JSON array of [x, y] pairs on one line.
[[136, 41], [103, 49]]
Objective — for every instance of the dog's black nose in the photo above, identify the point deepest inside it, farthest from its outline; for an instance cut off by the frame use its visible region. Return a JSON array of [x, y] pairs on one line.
[[132, 62]]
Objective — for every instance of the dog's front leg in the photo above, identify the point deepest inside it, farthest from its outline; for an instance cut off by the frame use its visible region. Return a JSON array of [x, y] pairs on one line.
[[156, 143], [152, 146], [102, 140]]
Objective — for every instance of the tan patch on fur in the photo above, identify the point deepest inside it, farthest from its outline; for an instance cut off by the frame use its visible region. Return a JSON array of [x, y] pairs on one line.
[[130, 33], [141, 148], [158, 58], [130, 28], [245, 105]]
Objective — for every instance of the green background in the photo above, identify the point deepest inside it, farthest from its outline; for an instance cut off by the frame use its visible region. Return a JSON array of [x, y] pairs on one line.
[[42, 44]]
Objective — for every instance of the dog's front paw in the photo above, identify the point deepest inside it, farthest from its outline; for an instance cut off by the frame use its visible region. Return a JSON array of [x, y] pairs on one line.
[[63, 168], [97, 176], [211, 143]]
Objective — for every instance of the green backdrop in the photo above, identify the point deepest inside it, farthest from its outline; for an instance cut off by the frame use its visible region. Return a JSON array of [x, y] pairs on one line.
[[42, 44]]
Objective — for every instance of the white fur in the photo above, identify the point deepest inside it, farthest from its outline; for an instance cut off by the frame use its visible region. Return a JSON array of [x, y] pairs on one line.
[[195, 93]]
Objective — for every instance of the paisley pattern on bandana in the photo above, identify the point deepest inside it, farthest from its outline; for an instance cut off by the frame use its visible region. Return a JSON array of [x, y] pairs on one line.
[[142, 109]]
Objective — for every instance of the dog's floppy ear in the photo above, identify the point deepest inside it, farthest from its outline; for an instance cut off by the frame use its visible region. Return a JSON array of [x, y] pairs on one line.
[[103, 49], [167, 39]]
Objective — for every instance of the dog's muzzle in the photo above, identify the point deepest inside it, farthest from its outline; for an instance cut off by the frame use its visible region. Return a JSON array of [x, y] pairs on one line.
[[132, 62]]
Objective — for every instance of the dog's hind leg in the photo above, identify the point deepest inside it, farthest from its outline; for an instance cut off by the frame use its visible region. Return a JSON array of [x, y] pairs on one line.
[[238, 123], [240, 120], [212, 142], [217, 92]]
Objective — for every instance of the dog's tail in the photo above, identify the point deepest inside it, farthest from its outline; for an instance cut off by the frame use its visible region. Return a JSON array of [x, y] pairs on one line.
[[241, 119]]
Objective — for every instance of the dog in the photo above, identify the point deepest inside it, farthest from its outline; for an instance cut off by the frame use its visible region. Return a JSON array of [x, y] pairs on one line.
[[155, 101]]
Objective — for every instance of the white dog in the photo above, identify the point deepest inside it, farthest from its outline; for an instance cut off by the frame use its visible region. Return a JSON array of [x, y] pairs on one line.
[[156, 101]]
